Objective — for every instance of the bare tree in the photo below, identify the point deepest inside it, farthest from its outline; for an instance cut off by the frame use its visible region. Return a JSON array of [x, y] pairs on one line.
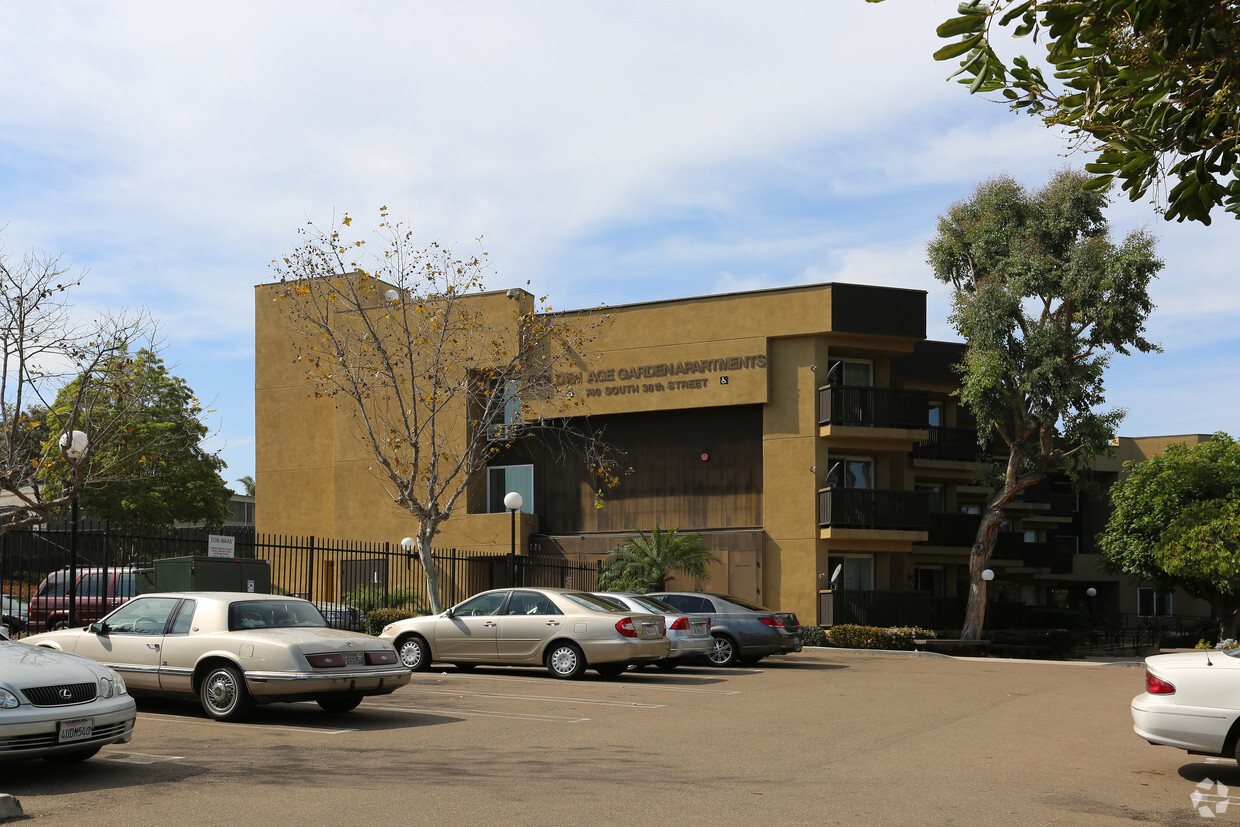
[[43, 347], [437, 374]]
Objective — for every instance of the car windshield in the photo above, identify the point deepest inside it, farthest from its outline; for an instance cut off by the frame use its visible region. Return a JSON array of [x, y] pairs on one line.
[[593, 602], [654, 604], [56, 585], [749, 604], [272, 614]]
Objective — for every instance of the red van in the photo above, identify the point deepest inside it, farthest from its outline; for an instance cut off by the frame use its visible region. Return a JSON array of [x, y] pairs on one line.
[[99, 591]]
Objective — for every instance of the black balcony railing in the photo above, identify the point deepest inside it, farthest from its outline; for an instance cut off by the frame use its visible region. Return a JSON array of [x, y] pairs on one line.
[[957, 444], [873, 407], [867, 508]]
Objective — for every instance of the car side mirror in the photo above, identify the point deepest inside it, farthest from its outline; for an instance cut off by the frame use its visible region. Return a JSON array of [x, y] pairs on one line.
[[449, 613], [99, 628]]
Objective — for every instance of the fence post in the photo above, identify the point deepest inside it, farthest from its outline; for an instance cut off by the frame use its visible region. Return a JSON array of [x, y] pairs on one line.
[[310, 571]]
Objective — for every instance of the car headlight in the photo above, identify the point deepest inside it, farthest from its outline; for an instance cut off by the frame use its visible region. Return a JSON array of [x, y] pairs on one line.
[[106, 688], [8, 700], [118, 682]]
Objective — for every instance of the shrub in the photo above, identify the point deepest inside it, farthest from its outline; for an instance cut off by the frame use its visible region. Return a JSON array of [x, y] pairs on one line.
[[813, 636], [370, 598], [377, 619], [873, 637]]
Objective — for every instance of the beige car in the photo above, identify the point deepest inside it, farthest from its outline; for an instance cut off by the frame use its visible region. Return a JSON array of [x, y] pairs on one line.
[[233, 650], [565, 631]]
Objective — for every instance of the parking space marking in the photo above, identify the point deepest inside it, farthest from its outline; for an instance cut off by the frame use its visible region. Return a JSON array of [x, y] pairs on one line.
[[642, 684], [541, 698], [151, 758], [484, 713], [285, 727]]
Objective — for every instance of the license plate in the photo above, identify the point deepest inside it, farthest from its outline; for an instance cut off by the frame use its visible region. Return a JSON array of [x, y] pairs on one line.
[[698, 628], [77, 730], [354, 659], [651, 629]]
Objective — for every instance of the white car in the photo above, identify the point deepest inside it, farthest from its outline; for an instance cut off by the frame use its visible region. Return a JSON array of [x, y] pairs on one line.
[[234, 650], [59, 707], [1191, 701]]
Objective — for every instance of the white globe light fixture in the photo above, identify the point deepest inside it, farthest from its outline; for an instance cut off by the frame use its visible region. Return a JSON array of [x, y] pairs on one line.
[[988, 575], [1091, 592], [406, 543], [513, 502], [391, 295], [73, 444]]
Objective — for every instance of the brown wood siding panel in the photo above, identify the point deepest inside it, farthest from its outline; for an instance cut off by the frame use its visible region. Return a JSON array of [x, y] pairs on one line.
[[670, 485]]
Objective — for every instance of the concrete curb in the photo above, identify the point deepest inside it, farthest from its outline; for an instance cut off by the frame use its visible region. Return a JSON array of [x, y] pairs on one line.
[[10, 807]]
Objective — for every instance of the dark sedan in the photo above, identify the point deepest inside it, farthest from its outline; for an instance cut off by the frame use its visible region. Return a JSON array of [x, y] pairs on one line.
[[743, 631]]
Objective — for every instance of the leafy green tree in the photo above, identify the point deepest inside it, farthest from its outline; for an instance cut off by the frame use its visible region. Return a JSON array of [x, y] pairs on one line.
[[1176, 523], [1042, 299], [160, 473], [644, 563], [1150, 88], [247, 483]]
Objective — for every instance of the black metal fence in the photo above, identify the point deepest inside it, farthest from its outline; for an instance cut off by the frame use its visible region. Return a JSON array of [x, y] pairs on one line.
[[328, 571], [873, 407]]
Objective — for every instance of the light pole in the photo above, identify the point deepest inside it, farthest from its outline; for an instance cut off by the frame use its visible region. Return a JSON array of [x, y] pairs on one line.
[[513, 502], [1091, 593], [73, 445]]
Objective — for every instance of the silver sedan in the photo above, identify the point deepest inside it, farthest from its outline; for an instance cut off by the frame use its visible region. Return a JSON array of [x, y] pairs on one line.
[[565, 631], [689, 635], [59, 707]]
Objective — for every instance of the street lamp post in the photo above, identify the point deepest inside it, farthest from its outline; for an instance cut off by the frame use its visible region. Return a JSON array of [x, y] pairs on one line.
[[513, 502], [73, 447]]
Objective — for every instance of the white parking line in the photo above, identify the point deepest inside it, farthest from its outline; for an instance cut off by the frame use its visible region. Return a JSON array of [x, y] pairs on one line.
[[117, 757], [483, 713], [319, 730], [635, 684], [541, 698]]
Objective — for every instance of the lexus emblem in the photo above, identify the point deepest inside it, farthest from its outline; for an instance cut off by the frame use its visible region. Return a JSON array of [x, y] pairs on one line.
[[66, 693]]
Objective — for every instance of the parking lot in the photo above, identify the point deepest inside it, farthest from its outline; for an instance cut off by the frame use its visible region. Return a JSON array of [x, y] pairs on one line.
[[820, 737]]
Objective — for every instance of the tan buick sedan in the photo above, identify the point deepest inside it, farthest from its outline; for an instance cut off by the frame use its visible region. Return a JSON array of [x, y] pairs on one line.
[[565, 631], [233, 650]]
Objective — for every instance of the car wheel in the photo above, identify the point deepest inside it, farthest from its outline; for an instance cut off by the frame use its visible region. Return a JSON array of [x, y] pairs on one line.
[[564, 660], [223, 694], [414, 653], [610, 670], [60, 624], [724, 651], [666, 665], [338, 703], [71, 757]]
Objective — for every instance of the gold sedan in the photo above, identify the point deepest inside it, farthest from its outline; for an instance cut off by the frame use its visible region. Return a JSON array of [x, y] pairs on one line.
[[234, 650], [565, 631]]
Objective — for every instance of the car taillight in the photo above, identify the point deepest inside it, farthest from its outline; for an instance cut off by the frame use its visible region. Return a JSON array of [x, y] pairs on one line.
[[679, 624], [326, 661], [1157, 686], [773, 622], [377, 658], [626, 627]]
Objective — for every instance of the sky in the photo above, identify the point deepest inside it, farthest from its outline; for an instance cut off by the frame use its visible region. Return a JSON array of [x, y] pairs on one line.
[[600, 153]]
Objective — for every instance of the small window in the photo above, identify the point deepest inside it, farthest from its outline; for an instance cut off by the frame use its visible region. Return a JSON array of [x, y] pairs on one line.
[[1153, 602], [184, 617], [504, 478]]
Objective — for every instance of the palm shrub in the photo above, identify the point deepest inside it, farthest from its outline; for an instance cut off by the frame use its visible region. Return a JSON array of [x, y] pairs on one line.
[[644, 563]]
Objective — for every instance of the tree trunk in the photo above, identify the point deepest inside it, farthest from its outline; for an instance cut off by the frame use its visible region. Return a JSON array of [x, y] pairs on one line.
[[1225, 612], [426, 530], [979, 557]]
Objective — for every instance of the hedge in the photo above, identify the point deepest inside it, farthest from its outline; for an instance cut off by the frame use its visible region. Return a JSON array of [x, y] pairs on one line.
[[377, 619], [874, 637]]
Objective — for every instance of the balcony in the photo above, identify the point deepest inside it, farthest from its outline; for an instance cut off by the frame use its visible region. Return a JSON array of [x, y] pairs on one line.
[[950, 444], [866, 407], [960, 530], [863, 508]]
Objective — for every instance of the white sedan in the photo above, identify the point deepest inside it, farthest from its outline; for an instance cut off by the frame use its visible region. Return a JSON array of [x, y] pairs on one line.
[[233, 650], [1191, 701], [59, 707]]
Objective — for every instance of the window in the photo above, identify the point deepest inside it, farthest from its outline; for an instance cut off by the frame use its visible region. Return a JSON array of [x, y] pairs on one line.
[[144, 616], [851, 472], [935, 416], [854, 372], [1153, 602], [504, 478], [184, 616], [487, 603], [856, 573], [928, 579], [532, 603]]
